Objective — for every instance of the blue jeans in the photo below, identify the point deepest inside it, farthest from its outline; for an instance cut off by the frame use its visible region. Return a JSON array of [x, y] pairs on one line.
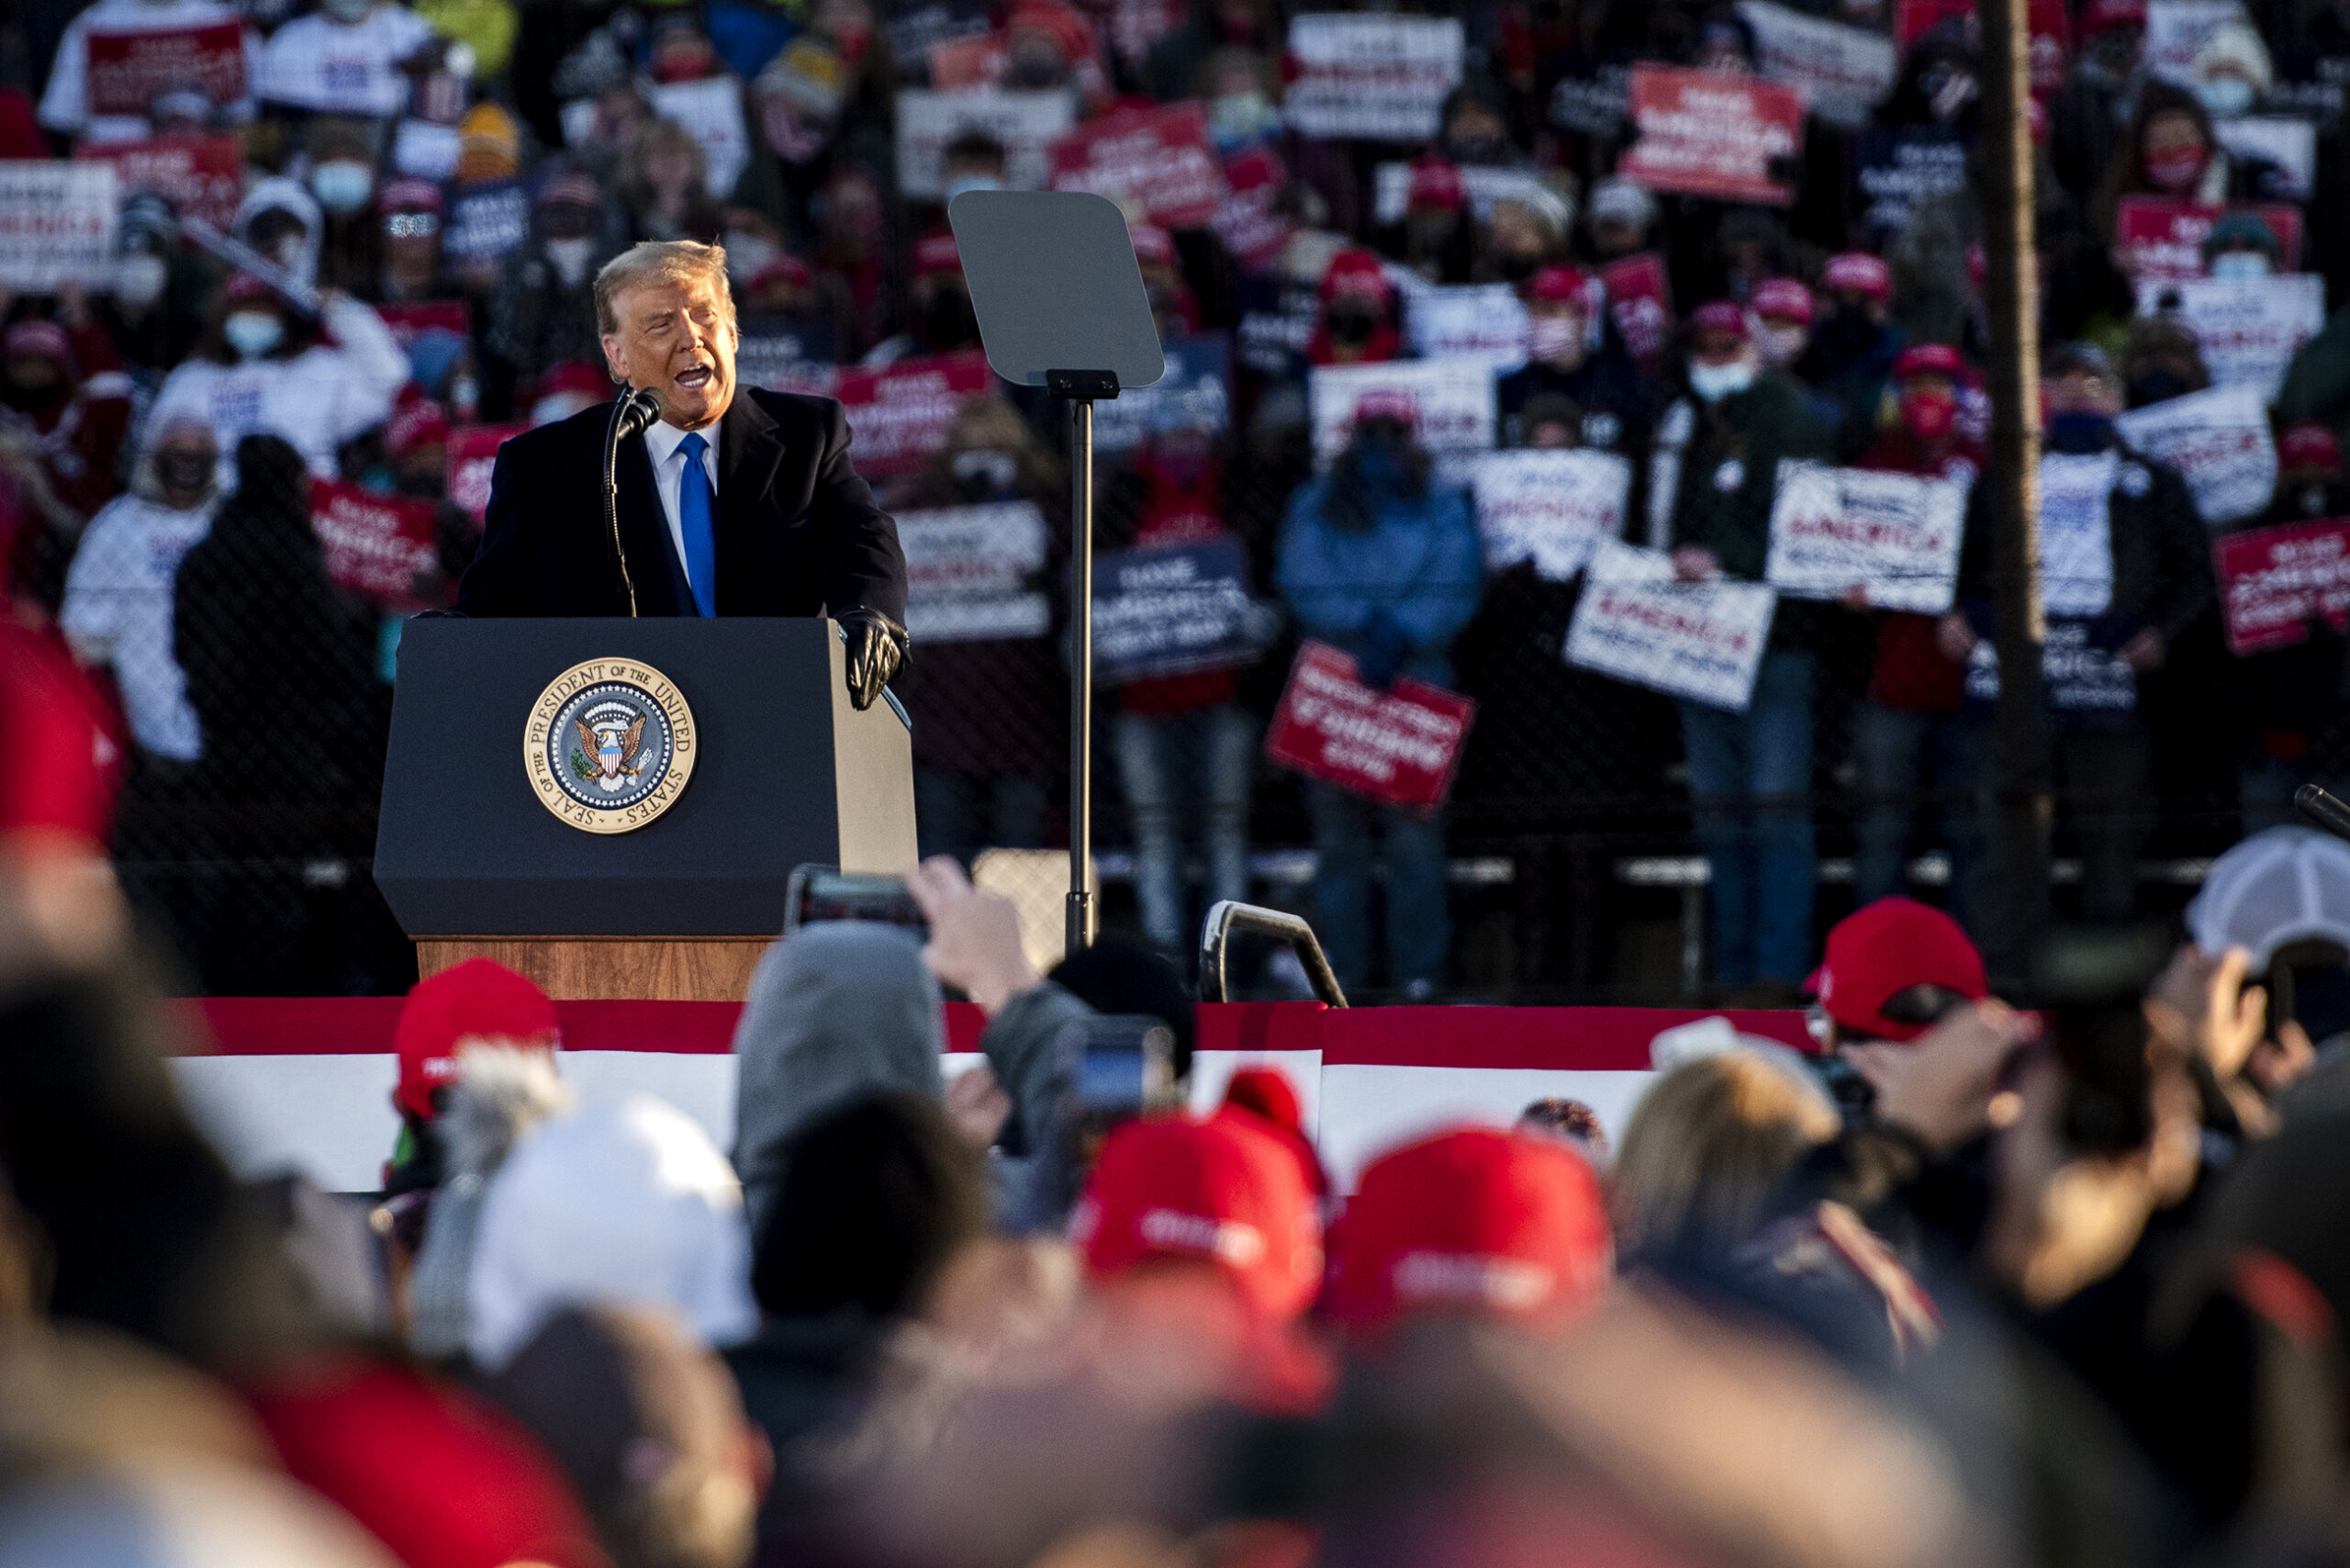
[[1164, 759], [946, 812], [1419, 917], [1749, 779], [1897, 753]]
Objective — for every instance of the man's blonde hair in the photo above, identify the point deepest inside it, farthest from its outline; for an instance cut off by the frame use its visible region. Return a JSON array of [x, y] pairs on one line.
[[660, 260]]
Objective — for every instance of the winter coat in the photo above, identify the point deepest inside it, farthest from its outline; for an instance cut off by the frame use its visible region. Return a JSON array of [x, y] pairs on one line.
[[1419, 561]]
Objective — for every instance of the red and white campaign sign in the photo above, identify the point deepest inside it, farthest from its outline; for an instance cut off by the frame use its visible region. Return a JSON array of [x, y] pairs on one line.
[[1549, 508], [2220, 442], [201, 176], [472, 457], [1245, 221], [2160, 241], [2248, 328], [129, 71], [1708, 133], [1454, 400], [1703, 641], [56, 223], [898, 414], [1159, 158], [1400, 746], [2050, 28], [2275, 581], [1640, 301], [375, 545], [1893, 536]]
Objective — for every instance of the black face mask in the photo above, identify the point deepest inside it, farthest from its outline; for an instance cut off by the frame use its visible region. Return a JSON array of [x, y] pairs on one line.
[[1353, 326], [947, 322], [2158, 386], [186, 472], [1515, 268]]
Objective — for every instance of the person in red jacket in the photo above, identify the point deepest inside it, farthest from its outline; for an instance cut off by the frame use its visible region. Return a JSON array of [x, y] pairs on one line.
[[1909, 735]]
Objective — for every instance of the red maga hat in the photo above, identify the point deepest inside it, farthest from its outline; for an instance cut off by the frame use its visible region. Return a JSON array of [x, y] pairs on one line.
[[1388, 403], [1473, 1220], [1435, 182], [1782, 299], [1929, 359], [477, 1000], [1152, 244], [1883, 948], [1355, 272], [2308, 446], [1859, 273], [1560, 285], [1720, 316]]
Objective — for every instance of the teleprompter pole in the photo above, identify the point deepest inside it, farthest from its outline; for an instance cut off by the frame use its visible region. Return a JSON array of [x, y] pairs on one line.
[[1081, 388], [2012, 494]]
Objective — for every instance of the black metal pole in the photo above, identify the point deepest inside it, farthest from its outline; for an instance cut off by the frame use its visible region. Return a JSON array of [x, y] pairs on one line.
[[1080, 933], [2012, 280]]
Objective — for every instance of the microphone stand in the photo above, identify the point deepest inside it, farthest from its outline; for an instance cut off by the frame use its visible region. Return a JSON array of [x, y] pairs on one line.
[[632, 412]]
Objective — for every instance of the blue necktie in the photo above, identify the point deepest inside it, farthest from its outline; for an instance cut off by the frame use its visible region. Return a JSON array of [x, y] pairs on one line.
[[693, 523]]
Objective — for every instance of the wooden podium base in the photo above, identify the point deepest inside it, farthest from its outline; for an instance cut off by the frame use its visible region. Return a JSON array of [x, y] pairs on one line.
[[598, 969]]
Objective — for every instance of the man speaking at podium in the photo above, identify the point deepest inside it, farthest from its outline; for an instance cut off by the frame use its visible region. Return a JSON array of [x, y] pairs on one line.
[[730, 501]]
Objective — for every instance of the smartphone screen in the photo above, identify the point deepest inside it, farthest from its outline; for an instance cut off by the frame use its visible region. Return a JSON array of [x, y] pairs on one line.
[[818, 893], [1127, 1068]]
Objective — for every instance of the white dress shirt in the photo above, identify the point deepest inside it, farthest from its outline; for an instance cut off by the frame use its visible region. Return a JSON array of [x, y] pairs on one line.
[[661, 440]]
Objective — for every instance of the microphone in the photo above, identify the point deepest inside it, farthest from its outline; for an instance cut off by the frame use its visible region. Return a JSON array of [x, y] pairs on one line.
[[635, 409]]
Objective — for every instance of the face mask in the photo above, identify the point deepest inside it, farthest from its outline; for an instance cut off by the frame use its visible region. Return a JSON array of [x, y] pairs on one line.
[[253, 334], [138, 280], [2080, 432], [2176, 171], [1929, 415], [2158, 386], [1715, 382], [1353, 326], [465, 395], [2225, 97], [342, 185], [990, 470], [570, 258], [186, 472], [1554, 339], [1235, 119], [962, 183], [2240, 264], [1782, 346]]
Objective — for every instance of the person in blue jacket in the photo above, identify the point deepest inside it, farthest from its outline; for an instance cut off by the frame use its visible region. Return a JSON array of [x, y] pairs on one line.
[[1380, 561]]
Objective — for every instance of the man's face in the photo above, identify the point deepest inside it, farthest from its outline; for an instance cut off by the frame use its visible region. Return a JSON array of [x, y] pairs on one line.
[[2079, 392], [1715, 346], [677, 339]]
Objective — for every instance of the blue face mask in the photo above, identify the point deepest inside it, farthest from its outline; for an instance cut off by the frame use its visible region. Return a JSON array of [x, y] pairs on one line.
[[2079, 432]]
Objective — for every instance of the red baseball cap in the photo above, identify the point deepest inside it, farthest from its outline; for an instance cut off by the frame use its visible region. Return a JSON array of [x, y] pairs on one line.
[[1355, 272], [1222, 1191], [35, 335], [1560, 284], [1885, 948], [1266, 1093], [1782, 299], [786, 267], [1719, 316], [480, 999], [1929, 359], [2307, 446], [1860, 272], [1476, 1220], [246, 285], [1388, 403], [1435, 182], [2100, 16]]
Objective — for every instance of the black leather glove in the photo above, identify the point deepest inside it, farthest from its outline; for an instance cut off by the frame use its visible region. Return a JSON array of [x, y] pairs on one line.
[[877, 646]]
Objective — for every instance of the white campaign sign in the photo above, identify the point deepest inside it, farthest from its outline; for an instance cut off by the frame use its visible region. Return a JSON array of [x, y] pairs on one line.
[[2248, 328], [1473, 320], [1026, 123], [1391, 186], [1454, 396], [1844, 72], [56, 223], [1376, 78], [2076, 532], [2176, 31], [2290, 144], [711, 108], [1895, 536], [2220, 442], [1550, 508], [1702, 641], [967, 571]]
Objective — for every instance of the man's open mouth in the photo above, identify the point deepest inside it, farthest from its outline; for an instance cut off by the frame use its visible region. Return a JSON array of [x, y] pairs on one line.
[[698, 376]]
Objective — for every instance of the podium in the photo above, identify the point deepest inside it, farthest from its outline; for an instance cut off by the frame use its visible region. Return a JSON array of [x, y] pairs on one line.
[[614, 806]]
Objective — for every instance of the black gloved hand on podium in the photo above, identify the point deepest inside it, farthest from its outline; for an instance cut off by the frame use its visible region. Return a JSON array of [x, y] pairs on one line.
[[877, 648]]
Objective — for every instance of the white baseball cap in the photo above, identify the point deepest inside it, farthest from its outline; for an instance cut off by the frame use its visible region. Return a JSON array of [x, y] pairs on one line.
[[2286, 884]]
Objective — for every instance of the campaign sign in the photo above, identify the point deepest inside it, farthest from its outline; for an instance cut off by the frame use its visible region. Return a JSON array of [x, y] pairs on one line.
[[473, 458], [1245, 220], [375, 545], [1709, 133], [711, 108], [1195, 393], [1844, 72], [2249, 328], [2163, 240], [1905, 168], [1026, 123], [898, 414], [2290, 144], [2176, 31], [2275, 581], [968, 571], [1702, 641], [201, 176], [1170, 610], [1454, 397], [2045, 23], [129, 71], [56, 223], [1157, 159], [2220, 442], [1893, 536], [486, 217], [1550, 508], [1472, 320], [2076, 530], [2081, 681], [1640, 301], [782, 362], [1400, 746], [1370, 78]]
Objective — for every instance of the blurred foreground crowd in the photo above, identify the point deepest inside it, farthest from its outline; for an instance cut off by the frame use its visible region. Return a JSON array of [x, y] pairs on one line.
[[1963, 1285]]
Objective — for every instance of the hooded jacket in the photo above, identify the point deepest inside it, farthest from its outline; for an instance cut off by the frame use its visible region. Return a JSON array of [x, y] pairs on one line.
[[836, 1011], [278, 194], [1418, 561]]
